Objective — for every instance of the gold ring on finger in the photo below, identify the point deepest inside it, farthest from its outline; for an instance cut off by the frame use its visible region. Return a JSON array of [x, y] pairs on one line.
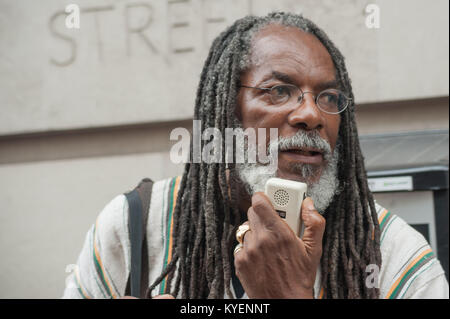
[[237, 248], [240, 233]]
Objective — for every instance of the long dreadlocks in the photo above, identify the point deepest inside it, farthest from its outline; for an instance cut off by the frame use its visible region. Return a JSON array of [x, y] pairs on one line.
[[207, 210]]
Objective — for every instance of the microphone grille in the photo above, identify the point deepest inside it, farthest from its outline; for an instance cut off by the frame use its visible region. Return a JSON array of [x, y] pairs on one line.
[[281, 197]]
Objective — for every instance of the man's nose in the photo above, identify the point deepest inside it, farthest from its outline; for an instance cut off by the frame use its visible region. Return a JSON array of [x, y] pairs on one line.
[[306, 114]]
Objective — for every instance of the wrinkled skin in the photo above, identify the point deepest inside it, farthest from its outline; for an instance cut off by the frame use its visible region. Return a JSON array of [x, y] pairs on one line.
[[274, 262]]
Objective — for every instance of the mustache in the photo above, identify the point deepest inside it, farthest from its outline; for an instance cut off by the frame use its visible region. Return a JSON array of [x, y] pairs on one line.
[[303, 139]]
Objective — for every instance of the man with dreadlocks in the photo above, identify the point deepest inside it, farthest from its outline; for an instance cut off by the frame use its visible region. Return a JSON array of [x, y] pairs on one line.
[[278, 71]]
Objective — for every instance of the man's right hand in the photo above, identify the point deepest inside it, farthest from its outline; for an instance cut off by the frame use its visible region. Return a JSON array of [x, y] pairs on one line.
[[274, 262]]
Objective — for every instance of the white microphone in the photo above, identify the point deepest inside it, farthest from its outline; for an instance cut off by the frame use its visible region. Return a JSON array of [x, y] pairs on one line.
[[287, 197]]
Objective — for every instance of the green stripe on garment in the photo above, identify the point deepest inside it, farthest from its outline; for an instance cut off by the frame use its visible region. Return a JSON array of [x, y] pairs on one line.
[[99, 268], [167, 182], [92, 249], [415, 277], [100, 287], [169, 218], [101, 275], [81, 293], [416, 253], [386, 217], [79, 286], [386, 228], [111, 280], [163, 210], [108, 275], [385, 222], [422, 261]]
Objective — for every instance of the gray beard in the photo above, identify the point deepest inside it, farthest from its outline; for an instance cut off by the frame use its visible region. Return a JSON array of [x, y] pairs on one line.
[[255, 175]]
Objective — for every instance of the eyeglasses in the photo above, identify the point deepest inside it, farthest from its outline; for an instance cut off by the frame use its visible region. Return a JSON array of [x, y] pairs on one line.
[[331, 101]]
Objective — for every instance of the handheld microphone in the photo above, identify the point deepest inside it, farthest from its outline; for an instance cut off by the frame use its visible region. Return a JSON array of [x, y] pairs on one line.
[[287, 197]]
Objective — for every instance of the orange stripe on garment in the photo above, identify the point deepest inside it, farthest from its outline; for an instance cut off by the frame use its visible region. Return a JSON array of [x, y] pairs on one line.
[[321, 293], [383, 214], [77, 278], [97, 254], [406, 270], [175, 196]]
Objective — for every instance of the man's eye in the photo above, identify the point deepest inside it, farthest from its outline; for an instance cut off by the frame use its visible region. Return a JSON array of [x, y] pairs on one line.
[[280, 94], [331, 98], [281, 90]]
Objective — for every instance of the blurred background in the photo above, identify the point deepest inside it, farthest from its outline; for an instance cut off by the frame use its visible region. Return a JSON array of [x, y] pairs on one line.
[[85, 113]]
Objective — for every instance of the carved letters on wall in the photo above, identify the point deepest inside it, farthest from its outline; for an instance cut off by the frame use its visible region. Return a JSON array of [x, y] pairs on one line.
[[138, 24]]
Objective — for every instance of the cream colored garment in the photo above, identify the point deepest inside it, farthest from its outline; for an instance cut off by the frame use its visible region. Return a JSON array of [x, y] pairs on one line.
[[409, 269]]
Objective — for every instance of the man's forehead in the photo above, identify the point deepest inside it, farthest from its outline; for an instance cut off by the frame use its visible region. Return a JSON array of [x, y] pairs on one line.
[[291, 52], [277, 41]]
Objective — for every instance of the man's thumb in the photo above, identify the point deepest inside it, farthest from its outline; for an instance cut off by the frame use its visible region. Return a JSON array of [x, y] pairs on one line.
[[314, 225]]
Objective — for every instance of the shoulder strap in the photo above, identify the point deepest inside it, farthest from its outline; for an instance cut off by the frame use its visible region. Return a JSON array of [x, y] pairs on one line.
[[139, 204]]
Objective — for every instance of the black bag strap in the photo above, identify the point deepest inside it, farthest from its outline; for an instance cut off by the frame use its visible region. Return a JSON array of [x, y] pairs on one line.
[[139, 204]]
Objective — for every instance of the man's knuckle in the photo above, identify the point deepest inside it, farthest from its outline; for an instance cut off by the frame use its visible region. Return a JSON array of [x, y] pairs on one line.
[[317, 221], [258, 203], [252, 253], [251, 214], [284, 239], [264, 240], [321, 221]]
